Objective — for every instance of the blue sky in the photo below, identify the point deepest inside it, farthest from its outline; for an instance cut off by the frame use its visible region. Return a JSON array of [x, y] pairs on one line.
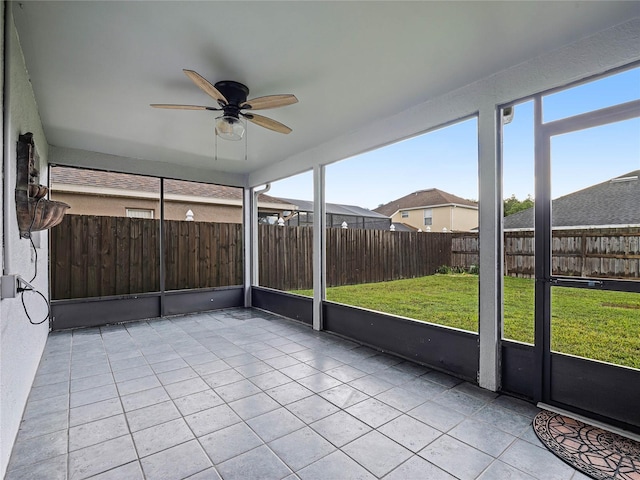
[[447, 158]]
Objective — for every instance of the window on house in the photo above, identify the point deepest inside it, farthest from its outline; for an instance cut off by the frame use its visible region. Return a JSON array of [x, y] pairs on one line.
[[405, 214], [139, 213], [428, 216]]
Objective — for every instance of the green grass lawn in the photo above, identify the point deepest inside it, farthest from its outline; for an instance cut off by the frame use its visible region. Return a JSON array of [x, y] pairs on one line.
[[602, 325]]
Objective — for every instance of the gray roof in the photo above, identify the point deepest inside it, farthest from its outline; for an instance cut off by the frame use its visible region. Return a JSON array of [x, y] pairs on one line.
[[403, 227], [334, 208], [614, 202], [141, 183]]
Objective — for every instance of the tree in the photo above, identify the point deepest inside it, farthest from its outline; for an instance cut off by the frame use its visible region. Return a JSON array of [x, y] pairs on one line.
[[513, 205]]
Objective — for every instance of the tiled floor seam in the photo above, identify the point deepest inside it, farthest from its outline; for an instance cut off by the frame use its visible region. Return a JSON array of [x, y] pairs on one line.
[[124, 414], [68, 475]]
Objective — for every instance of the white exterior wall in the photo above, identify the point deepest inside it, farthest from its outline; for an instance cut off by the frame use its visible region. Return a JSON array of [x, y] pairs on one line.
[[21, 344]]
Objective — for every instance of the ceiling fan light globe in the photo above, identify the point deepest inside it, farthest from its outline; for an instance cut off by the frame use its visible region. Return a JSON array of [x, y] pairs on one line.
[[230, 128]]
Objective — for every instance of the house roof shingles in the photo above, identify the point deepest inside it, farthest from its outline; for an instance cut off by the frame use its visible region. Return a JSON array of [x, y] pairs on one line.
[[423, 199], [614, 202], [141, 183], [335, 208]]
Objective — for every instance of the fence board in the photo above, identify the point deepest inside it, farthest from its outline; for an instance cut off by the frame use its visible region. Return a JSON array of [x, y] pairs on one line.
[[182, 255], [123, 226], [60, 275], [107, 254], [214, 272], [93, 258], [78, 256], [136, 256]]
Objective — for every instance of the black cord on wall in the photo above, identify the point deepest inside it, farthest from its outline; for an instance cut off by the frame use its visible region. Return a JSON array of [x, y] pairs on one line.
[[35, 274]]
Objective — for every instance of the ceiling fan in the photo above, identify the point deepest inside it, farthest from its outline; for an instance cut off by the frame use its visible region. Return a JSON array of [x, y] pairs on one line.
[[232, 99]]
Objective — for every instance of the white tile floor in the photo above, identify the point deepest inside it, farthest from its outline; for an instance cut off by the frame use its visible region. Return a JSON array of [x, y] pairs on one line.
[[241, 394]]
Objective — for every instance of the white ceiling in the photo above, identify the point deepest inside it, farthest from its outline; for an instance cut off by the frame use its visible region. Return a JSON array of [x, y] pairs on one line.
[[96, 66]]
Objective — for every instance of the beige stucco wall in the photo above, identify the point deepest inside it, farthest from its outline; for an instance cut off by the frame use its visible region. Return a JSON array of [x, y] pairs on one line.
[[83, 204], [449, 217], [415, 218], [441, 219], [203, 213], [464, 219]]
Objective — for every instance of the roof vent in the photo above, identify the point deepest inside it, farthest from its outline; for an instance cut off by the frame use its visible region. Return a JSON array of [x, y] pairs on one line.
[[624, 179]]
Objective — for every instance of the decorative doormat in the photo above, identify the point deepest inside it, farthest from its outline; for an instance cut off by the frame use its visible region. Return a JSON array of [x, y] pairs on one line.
[[596, 452]]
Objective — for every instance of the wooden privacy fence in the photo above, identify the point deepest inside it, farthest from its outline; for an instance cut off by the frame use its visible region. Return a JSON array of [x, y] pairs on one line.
[[606, 253], [285, 257], [353, 256], [94, 256], [366, 256]]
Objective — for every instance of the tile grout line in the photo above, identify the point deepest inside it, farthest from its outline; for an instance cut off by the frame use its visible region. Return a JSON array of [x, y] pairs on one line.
[[68, 472], [124, 413]]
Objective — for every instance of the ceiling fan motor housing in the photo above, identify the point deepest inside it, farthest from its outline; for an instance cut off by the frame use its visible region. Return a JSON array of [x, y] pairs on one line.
[[236, 94]]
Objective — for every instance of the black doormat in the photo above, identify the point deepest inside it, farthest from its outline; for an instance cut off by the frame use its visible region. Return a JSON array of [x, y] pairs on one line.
[[596, 452]]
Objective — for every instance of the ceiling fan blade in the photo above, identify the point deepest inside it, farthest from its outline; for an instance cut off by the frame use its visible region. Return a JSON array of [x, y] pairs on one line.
[[267, 123], [206, 86], [182, 107], [270, 101]]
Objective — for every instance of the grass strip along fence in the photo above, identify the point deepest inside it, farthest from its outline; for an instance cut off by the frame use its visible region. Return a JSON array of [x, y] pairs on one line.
[[597, 324]]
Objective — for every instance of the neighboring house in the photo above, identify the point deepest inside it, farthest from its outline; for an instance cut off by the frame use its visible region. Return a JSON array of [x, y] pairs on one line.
[[355, 217], [432, 210], [614, 203], [92, 192]]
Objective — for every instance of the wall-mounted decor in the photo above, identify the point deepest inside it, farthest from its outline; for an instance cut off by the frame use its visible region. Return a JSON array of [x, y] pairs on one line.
[[33, 210]]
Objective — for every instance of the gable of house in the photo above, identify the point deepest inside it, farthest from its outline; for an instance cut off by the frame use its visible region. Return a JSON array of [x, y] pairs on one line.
[[429, 198]]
